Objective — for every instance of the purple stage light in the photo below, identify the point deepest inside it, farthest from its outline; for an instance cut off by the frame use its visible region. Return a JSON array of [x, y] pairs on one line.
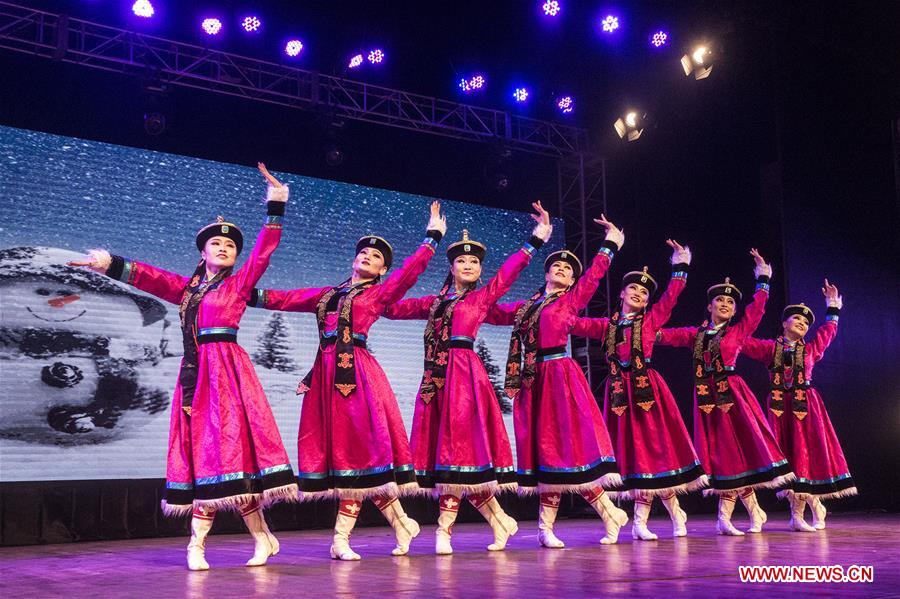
[[473, 83], [211, 26], [610, 23], [659, 39], [565, 104], [143, 8], [551, 8], [293, 48], [355, 62], [251, 24], [376, 56], [520, 94]]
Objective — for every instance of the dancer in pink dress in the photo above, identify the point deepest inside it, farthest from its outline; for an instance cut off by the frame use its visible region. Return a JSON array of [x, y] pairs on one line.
[[225, 450], [736, 447], [460, 446], [653, 448], [797, 413], [562, 444], [352, 443]]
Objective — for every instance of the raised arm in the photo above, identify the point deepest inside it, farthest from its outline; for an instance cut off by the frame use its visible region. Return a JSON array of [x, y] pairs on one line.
[[165, 285], [586, 286], [826, 332], [661, 311], [593, 328], [269, 236], [402, 279], [754, 311], [516, 263]]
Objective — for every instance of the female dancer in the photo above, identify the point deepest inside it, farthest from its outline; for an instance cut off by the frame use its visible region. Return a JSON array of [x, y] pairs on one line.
[[736, 447], [352, 443], [797, 413], [460, 446], [225, 450], [653, 448], [561, 441]]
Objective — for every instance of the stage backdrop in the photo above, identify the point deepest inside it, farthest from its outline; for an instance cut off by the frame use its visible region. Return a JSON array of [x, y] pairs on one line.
[[88, 365]]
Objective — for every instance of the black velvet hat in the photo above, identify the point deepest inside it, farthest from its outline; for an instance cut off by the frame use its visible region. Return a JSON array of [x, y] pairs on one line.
[[725, 288], [564, 256], [220, 228], [377, 243], [800, 309], [642, 278], [466, 247]]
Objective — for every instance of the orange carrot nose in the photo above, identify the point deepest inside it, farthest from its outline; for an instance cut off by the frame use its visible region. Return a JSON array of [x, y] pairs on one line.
[[59, 302]]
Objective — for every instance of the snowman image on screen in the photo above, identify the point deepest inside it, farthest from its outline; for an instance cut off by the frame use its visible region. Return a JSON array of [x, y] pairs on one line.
[[72, 346]]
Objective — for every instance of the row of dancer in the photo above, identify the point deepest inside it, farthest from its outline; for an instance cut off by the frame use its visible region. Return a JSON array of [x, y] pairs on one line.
[[225, 450]]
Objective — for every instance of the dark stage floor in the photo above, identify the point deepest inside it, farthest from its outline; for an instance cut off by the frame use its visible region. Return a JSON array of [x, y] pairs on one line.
[[701, 564]]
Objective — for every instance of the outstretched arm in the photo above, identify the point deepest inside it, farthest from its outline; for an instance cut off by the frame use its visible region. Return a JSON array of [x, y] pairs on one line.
[[593, 328], [165, 285], [661, 311]]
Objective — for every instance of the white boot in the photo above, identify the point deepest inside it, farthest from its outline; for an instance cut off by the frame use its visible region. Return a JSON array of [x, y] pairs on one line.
[[639, 530], [818, 511], [346, 520], [798, 506], [449, 505], [678, 516], [723, 524], [405, 528], [265, 542], [201, 522], [546, 517], [503, 525], [613, 518], [757, 515]]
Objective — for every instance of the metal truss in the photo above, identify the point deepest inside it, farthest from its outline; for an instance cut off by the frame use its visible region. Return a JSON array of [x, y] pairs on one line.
[[582, 197], [101, 47]]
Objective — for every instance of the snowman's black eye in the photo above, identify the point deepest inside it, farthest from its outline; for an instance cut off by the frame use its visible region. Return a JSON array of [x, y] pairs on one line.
[[43, 291]]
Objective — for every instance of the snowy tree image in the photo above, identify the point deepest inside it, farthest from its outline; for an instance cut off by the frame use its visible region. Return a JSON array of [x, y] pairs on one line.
[[494, 373], [274, 350]]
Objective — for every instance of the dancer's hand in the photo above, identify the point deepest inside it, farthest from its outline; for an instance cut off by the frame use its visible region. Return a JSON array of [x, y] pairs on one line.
[[613, 233], [543, 229], [761, 268], [269, 178], [437, 221], [832, 298], [96, 260], [680, 254]]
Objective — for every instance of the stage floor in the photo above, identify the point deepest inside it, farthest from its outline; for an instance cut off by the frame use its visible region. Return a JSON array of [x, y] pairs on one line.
[[700, 564]]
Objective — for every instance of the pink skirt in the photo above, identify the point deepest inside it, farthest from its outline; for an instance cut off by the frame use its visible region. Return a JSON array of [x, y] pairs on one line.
[[736, 448], [813, 450], [352, 447], [459, 442], [653, 448], [562, 444], [228, 451]]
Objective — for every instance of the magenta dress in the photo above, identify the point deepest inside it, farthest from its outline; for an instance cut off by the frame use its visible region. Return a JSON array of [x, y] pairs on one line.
[[811, 445], [353, 447], [561, 441], [652, 446], [229, 450], [735, 445], [459, 441]]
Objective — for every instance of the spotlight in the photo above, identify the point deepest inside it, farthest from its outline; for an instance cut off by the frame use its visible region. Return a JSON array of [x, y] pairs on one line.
[[551, 8], [211, 26], [154, 123], [355, 62], [630, 126], [376, 56], [472, 84], [610, 23], [697, 62], [520, 95], [566, 104], [659, 39], [143, 8], [293, 48], [251, 24]]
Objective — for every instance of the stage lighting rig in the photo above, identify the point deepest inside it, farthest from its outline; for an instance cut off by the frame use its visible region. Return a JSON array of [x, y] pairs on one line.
[[630, 125], [698, 62]]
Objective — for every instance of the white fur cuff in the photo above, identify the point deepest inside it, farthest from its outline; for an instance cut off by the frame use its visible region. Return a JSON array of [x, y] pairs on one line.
[[277, 194], [101, 260]]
